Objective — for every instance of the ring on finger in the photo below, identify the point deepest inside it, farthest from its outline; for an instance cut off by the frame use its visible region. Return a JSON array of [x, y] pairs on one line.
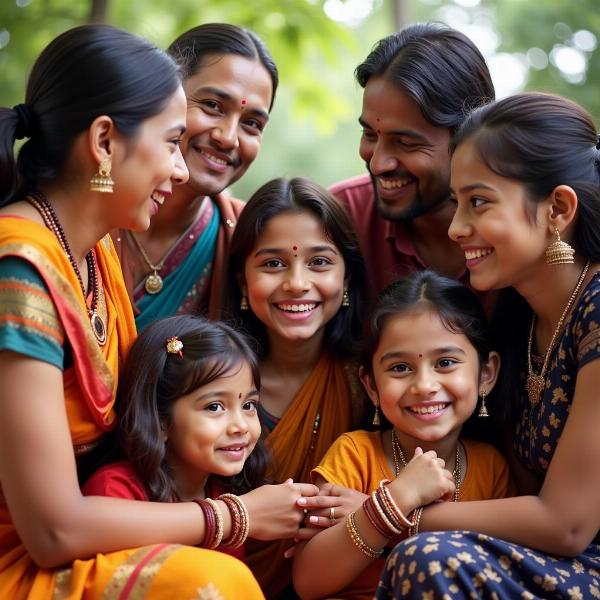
[[332, 514]]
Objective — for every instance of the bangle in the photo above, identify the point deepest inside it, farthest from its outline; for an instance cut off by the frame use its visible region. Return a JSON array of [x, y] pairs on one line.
[[210, 522], [417, 520], [240, 520], [398, 516], [384, 516], [375, 519], [219, 519], [358, 540]]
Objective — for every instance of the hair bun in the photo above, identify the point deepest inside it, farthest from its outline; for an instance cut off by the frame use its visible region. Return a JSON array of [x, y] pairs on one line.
[[25, 123]]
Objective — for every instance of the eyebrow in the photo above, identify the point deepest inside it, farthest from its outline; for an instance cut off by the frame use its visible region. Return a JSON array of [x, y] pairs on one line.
[[437, 351], [474, 186], [210, 89], [405, 132], [323, 248], [177, 129], [225, 394]]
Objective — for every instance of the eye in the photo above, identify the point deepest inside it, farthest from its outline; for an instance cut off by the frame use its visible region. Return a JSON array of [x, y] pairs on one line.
[[453, 200], [400, 368], [369, 135], [214, 407], [210, 105], [320, 261], [273, 263], [477, 201], [254, 125], [446, 363], [250, 405]]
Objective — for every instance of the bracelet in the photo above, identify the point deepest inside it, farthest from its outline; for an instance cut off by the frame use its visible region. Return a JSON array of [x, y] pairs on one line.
[[210, 522], [240, 520], [398, 516], [219, 519], [417, 520], [384, 516], [358, 540], [375, 519]]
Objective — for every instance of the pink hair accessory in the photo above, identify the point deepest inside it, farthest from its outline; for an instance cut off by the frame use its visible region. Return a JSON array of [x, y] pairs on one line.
[[175, 346]]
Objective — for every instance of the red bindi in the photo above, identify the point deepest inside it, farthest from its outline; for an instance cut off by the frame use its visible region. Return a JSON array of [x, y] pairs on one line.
[[243, 102]]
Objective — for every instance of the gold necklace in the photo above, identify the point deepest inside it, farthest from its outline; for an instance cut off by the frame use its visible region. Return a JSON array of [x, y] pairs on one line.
[[537, 382], [456, 474], [154, 282]]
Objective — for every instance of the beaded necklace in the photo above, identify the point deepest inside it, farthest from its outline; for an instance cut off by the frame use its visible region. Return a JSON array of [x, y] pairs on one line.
[[50, 218], [456, 474]]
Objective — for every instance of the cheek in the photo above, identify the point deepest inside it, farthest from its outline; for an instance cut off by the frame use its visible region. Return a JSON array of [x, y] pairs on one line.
[[365, 150], [249, 148]]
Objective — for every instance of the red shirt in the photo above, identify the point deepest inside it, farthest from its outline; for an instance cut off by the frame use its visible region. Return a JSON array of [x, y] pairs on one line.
[[119, 480], [386, 245]]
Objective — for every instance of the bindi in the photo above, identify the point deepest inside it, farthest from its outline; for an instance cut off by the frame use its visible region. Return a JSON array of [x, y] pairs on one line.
[[295, 249], [240, 396]]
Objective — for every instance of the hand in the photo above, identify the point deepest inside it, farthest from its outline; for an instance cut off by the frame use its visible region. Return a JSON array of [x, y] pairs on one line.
[[342, 500], [273, 509], [422, 481]]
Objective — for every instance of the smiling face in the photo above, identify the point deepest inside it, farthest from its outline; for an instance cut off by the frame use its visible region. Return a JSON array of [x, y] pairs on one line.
[[503, 234], [424, 377], [407, 157], [294, 277], [146, 168], [213, 430], [228, 101]]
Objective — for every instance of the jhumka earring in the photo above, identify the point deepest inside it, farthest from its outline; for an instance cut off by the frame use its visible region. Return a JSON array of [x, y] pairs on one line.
[[483, 411], [101, 181], [559, 252], [244, 303], [376, 419], [346, 298]]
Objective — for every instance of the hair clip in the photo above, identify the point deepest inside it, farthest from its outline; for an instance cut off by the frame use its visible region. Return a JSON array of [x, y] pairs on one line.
[[175, 346]]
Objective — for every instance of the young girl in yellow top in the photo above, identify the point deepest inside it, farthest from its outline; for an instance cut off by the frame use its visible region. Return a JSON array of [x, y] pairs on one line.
[[427, 359]]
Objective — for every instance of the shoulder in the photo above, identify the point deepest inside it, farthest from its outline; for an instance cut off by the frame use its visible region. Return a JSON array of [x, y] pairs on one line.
[[586, 325], [482, 451], [117, 480], [354, 190], [229, 206]]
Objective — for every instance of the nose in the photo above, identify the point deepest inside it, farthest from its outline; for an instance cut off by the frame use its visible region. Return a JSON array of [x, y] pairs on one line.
[[382, 160], [424, 382], [180, 171], [225, 133], [460, 227], [296, 280], [238, 424]]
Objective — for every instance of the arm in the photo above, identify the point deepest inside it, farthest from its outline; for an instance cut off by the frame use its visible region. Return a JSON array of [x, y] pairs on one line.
[[565, 516], [422, 481], [56, 523]]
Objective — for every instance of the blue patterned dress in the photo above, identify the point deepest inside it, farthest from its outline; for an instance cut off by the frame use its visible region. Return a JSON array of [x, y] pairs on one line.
[[460, 564]]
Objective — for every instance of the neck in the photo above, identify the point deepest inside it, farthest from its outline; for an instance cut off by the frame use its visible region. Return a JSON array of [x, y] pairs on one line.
[[190, 483], [444, 448], [291, 356]]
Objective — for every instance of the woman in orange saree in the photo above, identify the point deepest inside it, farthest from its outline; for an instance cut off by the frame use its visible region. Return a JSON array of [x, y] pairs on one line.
[[97, 98], [298, 285]]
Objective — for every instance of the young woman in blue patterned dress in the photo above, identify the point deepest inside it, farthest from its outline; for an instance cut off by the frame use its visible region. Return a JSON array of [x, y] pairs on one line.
[[526, 175]]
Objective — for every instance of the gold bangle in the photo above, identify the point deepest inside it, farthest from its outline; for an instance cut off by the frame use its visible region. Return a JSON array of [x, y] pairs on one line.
[[358, 540], [416, 520], [241, 518], [219, 518]]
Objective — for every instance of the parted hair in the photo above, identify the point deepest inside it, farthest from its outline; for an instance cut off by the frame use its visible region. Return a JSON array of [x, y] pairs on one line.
[[85, 72], [438, 67], [153, 381]]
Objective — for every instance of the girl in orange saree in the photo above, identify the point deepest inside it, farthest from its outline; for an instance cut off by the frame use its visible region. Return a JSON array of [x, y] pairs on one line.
[[298, 285], [103, 115]]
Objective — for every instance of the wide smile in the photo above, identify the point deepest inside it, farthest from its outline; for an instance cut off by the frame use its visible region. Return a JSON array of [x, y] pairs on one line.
[[474, 256], [158, 197], [215, 161], [393, 187], [428, 412], [234, 452], [296, 311]]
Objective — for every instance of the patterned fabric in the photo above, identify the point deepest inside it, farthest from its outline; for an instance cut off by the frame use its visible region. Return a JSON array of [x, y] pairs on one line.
[[470, 565], [29, 323]]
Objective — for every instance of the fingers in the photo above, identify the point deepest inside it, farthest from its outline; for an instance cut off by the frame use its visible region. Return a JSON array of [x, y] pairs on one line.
[[320, 522], [306, 489], [418, 451]]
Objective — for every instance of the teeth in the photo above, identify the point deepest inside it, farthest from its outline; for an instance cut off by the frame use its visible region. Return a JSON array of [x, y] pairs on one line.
[[478, 253], [388, 184], [427, 410], [296, 307], [219, 161], [158, 197]]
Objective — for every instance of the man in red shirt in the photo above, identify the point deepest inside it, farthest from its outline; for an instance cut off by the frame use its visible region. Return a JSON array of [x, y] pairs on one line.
[[418, 85]]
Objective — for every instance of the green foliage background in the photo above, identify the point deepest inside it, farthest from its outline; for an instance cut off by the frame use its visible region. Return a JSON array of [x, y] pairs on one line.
[[313, 129]]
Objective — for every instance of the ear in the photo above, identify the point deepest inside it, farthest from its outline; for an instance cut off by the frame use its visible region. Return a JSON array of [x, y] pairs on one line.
[[369, 385], [101, 138], [489, 373], [562, 208]]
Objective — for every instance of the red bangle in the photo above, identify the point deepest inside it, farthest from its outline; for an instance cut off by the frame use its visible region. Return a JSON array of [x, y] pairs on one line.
[[210, 523]]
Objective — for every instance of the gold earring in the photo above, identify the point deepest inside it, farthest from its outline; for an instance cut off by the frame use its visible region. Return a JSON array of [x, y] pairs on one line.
[[244, 303], [483, 411], [101, 181], [376, 419], [559, 252], [346, 298]]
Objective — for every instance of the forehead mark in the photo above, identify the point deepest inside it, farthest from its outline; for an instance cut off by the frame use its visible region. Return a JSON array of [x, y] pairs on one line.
[[240, 396]]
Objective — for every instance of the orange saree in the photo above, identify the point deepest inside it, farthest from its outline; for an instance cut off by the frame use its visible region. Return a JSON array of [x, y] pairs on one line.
[[322, 410], [159, 571]]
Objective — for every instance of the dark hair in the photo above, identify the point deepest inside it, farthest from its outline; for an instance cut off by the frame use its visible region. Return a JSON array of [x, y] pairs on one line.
[[541, 141], [86, 72], [191, 48], [153, 381], [298, 195], [439, 68], [459, 310]]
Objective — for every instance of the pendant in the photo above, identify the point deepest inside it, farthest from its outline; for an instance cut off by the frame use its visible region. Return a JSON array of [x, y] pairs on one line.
[[98, 328], [154, 283], [535, 387]]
